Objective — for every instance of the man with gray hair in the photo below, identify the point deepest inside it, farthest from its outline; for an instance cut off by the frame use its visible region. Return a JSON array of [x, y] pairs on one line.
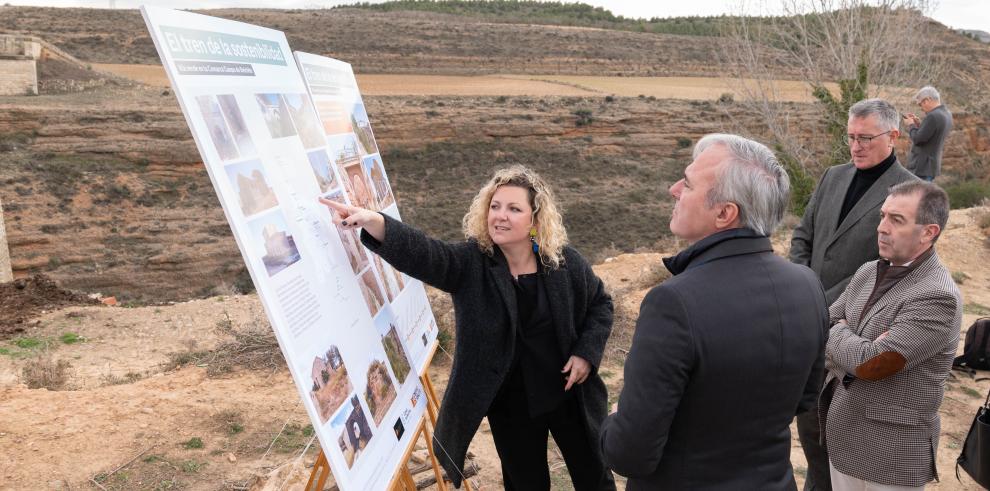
[[928, 136], [894, 335], [727, 351], [837, 233]]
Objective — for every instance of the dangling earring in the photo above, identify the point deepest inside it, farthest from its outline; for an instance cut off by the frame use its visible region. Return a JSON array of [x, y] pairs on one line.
[[532, 237]]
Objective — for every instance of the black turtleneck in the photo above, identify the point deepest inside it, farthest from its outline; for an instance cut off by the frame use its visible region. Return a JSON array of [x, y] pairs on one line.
[[862, 180]]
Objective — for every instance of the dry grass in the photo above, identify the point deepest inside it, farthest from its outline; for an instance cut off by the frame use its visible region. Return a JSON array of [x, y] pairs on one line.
[[690, 88], [44, 372], [254, 349]]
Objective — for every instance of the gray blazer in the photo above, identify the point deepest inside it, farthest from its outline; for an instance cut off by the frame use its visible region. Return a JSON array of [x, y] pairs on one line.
[[927, 140], [886, 431], [832, 250]]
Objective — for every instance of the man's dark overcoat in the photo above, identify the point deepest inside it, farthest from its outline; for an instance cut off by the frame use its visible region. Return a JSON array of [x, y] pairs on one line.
[[485, 314], [724, 355]]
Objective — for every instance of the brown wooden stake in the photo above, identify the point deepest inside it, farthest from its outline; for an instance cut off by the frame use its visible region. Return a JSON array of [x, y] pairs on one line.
[[318, 476]]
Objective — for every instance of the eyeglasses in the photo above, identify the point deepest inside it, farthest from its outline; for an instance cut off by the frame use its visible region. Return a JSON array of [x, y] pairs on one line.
[[863, 140]]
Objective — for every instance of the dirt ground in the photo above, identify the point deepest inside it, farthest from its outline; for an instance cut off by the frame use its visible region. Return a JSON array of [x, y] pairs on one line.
[[131, 418], [25, 298]]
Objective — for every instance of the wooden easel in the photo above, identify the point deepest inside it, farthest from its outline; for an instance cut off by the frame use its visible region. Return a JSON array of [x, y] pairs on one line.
[[403, 480]]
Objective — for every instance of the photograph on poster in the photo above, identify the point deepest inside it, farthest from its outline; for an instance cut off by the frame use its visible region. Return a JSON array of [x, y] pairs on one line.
[[330, 383], [398, 428], [380, 393], [354, 433], [396, 354], [235, 120], [320, 163], [343, 149], [349, 238], [362, 128], [251, 185], [305, 119], [371, 292], [357, 187], [375, 173], [271, 235], [276, 115], [218, 129], [336, 116], [388, 281]]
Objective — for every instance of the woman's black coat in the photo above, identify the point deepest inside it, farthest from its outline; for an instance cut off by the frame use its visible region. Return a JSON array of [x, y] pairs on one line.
[[485, 316]]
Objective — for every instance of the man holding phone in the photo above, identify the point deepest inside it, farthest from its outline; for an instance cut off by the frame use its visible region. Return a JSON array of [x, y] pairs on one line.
[[928, 136]]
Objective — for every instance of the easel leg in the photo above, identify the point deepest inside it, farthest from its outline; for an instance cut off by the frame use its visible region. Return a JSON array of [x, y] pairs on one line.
[[318, 476], [437, 470], [432, 405], [433, 408]]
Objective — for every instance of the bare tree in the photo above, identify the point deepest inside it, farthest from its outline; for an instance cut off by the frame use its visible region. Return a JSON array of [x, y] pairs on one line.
[[844, 50]]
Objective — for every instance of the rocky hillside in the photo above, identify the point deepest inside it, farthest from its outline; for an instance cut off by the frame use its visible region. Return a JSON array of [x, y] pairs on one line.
[[117, 201]]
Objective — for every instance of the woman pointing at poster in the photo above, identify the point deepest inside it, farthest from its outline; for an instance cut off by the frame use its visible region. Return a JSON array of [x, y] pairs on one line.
[[532, 319]]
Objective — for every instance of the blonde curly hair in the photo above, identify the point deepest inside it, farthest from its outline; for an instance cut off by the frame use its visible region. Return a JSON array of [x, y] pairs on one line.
[[550, 233]]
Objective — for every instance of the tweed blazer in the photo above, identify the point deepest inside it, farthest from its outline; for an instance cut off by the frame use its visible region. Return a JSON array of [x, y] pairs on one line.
[[486, 321], [927, 142], [835, 250], [886, 431]]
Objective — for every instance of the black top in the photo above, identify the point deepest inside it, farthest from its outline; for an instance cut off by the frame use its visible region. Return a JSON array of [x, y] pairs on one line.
[[534, 385], [862, 180]]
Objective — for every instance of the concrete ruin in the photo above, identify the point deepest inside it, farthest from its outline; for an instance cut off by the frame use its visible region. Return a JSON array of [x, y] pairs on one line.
[[19, 57], [19, 65]]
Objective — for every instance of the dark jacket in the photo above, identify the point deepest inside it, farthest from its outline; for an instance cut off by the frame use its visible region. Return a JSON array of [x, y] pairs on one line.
[[485, 314], [927, 141], [833, 250], [724, 355]]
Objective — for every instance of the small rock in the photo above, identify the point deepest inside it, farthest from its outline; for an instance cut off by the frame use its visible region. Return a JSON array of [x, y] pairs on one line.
[[110, 301], [147, 410], [231, 458]]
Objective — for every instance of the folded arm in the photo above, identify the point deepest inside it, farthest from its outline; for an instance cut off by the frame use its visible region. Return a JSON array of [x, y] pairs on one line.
[[923, 328]]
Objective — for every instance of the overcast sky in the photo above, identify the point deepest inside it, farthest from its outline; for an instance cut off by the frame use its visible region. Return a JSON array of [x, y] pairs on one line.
[[960, 14]]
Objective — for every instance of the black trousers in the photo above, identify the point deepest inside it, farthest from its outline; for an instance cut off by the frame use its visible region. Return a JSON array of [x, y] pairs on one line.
[[817, 478], [521, 442]]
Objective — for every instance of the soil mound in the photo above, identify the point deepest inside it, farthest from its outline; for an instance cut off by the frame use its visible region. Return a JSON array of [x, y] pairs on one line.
[[25, 298], [58, 77]]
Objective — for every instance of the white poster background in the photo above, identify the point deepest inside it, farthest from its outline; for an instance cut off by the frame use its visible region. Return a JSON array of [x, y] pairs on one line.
[[261, 141], [354, 152]]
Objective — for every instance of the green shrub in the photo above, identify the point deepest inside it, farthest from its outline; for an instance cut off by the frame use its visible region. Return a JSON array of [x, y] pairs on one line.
[[584, 117], [967, 194], [194, 442]]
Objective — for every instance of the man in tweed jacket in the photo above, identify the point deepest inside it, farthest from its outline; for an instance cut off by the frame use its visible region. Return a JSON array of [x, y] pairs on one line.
[[894, 335]]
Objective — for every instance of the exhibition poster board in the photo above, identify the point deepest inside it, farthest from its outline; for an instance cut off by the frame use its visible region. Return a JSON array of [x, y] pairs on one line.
[[326, 297], [363, 182]]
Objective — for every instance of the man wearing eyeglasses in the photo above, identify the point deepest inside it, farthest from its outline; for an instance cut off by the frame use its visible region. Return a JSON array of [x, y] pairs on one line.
[[928, 135], [894, 335], [837, 233]]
